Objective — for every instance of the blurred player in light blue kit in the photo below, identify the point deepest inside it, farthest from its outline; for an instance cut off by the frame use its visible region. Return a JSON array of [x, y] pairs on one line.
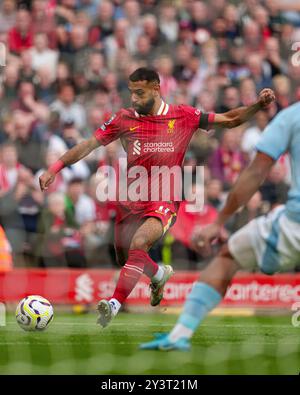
[[270, 243]]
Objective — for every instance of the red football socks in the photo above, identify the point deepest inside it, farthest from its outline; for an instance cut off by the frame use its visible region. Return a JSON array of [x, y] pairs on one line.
[[138, 262], [150, 267]]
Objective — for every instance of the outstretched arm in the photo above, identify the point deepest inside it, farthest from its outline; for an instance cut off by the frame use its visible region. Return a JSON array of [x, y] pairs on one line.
[[247, 184], [72, 156], [238, 116]]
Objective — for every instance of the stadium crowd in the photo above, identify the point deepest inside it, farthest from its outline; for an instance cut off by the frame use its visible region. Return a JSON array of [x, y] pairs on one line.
[[64, 70]]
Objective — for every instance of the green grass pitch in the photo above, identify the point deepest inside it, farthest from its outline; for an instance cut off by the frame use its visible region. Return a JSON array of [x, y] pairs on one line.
[[74, 344]]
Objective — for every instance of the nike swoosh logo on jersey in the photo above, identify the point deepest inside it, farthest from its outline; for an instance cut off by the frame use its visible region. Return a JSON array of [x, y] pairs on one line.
[[132, 129]]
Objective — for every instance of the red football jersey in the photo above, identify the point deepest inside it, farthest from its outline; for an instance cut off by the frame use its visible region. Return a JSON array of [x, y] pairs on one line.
[[154, 140]]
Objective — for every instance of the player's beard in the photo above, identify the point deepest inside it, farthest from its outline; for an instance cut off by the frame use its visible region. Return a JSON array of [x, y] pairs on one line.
[[145, 108]]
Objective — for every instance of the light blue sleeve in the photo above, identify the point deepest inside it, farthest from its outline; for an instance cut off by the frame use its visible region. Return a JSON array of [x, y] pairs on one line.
[[276, 137]]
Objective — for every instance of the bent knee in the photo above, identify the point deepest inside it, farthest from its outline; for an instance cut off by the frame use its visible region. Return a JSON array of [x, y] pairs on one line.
[[230, 264]]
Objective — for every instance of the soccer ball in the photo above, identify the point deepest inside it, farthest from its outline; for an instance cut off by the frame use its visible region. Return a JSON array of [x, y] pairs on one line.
[[34, 313]]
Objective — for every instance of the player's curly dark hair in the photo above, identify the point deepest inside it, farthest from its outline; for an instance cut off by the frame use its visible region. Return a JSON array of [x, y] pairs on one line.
[[144, 74]]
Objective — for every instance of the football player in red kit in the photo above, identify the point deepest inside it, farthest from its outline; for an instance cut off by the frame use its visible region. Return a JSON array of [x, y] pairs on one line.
[[153, 133]]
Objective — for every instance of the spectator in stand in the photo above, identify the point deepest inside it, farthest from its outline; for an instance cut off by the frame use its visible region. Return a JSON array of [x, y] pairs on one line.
[[26, 69], [63, 74], [59, 242], [276, 17], [261, 17], [43, 21], [29, 141], [168, 84], [102, 26], [253, 133], [273, 58], [88, 6], [167, 22], [252, 37], [246, 9], [230, 100], [11, 170], [151, 29], [71, 136], [15, 181], [227, 160], [27, 103], [206, 101], [78, 203], [143, 53], [182, 55], [195, 80], [287, 38], [258, 71], [117, 42], [7, 15], [217, 8], [231, 17], [282, 89], [95, 118], [7, 131], [200, 17], [214, 193], [76, 51], [43, 56], [10, 84], [64, 18], [247, 91], [132, 11], [101, 100], [110, 84], [30, 200], [218, 31], [237, 58], [67, 107], [98, 234], [83, 19], [54, 129], [96, 70], [209, 57], [206, 67], [20, 37], [45, 91]]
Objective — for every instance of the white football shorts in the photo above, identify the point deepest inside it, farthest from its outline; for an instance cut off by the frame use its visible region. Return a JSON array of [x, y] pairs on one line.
[[270, 243]]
